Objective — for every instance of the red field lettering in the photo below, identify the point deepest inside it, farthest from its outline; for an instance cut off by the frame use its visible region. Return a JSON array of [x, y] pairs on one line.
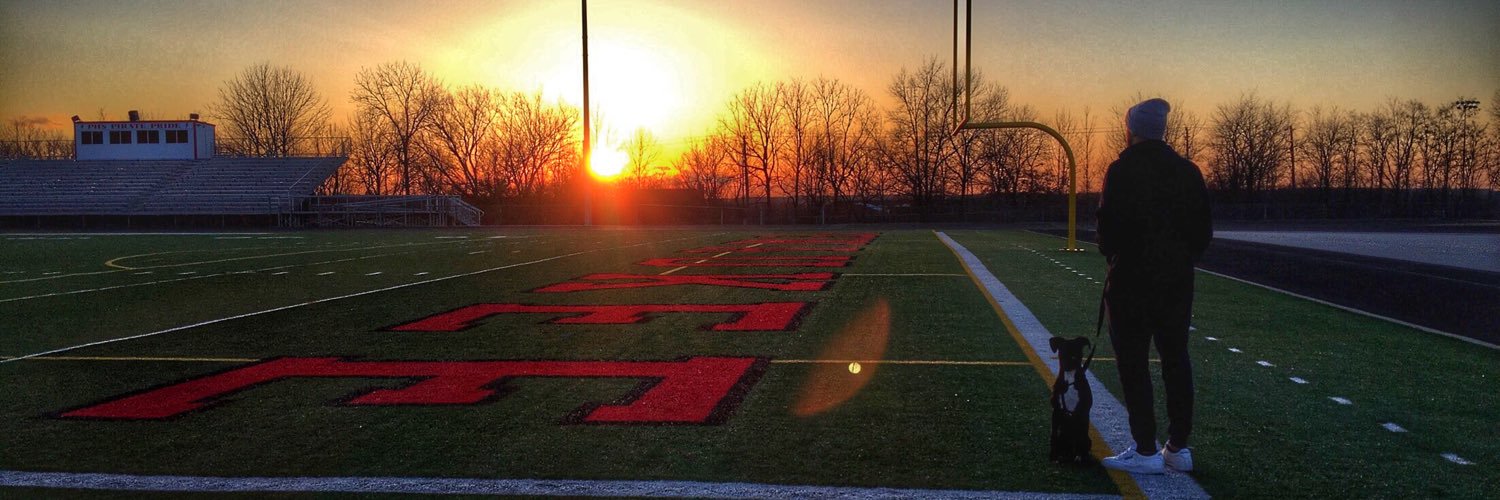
[[858, 239], [800, 282], [698, 390], [787, 248], [818, 261], [767, 316]]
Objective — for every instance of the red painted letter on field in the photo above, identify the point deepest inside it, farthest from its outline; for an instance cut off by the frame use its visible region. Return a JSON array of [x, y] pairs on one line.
[[766, 316], [698, 390], [799, 282]]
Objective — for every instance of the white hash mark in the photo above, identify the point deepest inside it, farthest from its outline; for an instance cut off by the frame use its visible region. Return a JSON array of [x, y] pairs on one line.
[[1391, 426], [1457, 459], [1266, 364], [1299, 380], [1340, 400]]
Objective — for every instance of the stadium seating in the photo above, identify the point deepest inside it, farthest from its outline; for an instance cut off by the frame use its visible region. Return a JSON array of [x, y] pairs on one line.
[[217, 186]]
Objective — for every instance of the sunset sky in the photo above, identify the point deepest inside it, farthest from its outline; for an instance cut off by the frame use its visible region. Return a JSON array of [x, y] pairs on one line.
[[670, 66]]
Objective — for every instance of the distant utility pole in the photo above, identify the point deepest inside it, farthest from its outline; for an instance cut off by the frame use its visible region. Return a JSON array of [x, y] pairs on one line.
[[588, 181]]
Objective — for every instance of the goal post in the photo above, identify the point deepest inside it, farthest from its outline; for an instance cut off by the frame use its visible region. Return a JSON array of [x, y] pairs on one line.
[[970, 124]]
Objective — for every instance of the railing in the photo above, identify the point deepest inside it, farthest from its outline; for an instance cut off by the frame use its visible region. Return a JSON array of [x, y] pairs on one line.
[[392, 210], [300, 147], [36, 150]]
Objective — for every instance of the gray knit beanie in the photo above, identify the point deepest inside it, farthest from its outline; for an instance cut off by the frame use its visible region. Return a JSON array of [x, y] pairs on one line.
[[1148, 120]]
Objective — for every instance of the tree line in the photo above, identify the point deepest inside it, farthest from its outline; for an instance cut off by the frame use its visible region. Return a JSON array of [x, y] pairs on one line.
[[808, 144]]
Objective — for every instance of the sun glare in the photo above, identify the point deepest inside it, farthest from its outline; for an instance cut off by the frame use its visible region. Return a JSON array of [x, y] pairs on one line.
[[607, 163]]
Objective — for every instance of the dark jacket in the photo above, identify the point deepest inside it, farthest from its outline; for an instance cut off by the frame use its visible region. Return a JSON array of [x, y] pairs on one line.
[[1154, 217]]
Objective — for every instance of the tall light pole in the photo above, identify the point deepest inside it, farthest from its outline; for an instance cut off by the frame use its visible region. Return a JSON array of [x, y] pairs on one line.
[[588, 181]]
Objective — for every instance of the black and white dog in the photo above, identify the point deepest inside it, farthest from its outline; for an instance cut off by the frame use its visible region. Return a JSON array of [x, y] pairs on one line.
[[1071, 401]]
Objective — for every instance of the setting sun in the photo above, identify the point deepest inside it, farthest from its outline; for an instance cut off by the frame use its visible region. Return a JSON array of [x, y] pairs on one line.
[[607, 163]]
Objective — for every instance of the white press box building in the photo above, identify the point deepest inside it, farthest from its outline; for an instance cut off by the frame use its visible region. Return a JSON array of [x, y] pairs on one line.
[[137, 139]]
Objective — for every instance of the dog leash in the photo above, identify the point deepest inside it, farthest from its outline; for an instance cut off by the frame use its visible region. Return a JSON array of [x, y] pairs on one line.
[[1099, 326]]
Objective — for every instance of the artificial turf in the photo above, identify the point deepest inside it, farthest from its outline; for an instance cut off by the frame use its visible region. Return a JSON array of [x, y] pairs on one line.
[[961, 426]]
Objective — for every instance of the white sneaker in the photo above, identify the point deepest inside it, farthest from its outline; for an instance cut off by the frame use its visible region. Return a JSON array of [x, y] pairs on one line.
[[1180, 460], [1130, 461]]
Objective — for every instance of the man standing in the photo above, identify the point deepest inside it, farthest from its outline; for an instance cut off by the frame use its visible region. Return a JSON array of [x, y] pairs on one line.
[[1153, 224]]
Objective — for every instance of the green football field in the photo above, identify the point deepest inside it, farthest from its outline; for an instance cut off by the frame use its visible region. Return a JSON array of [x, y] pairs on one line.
[[753, 363]]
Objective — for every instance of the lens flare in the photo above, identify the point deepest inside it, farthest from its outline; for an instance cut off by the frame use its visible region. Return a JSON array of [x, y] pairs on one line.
[[832, 383]]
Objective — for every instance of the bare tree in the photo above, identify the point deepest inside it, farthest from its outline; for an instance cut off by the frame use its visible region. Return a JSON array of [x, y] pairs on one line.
[[1492, 153], [270, 109], [1250, 138], [28, 137], [705, 167], [643, 150], [1326, 145], [536, 144], [371, 158], [1377, 140], [462, 127], [921, 131], [989, 101], [795, 100], [754, 122], [1348, 158], [406, 99], [1184, 131], [1409, 118], [845, 128]]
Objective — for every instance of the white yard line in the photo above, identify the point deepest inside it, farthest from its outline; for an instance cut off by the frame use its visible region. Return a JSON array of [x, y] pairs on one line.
[[1110, 416], [330, 299], [490, 487], [191, 277]]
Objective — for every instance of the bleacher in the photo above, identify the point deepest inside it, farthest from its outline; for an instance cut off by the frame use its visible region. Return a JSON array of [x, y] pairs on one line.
[[241, 186], [218, 186], [224, 190], [66, 187]]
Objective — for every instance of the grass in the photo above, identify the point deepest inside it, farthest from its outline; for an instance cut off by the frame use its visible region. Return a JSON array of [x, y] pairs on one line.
[[1260, 434], [908, 426]]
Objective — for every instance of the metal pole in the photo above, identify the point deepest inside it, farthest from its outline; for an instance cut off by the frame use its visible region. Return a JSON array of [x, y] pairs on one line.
[[588, 181], [968, 56], [1072, 171], [968, 91]]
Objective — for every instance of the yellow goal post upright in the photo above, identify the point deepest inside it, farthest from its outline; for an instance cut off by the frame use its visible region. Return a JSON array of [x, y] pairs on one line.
[[969, 124]]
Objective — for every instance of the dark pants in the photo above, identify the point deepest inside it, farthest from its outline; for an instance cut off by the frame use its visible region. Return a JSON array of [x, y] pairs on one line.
[[1141, 311]]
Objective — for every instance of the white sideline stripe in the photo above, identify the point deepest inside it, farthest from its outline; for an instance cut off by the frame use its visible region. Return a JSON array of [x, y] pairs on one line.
[[903, 274], [1341, 401], [1359, 311], [130, 234], [1391, 426], [515, 487], [1457, 459], [1112, 419], [330, 299]]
